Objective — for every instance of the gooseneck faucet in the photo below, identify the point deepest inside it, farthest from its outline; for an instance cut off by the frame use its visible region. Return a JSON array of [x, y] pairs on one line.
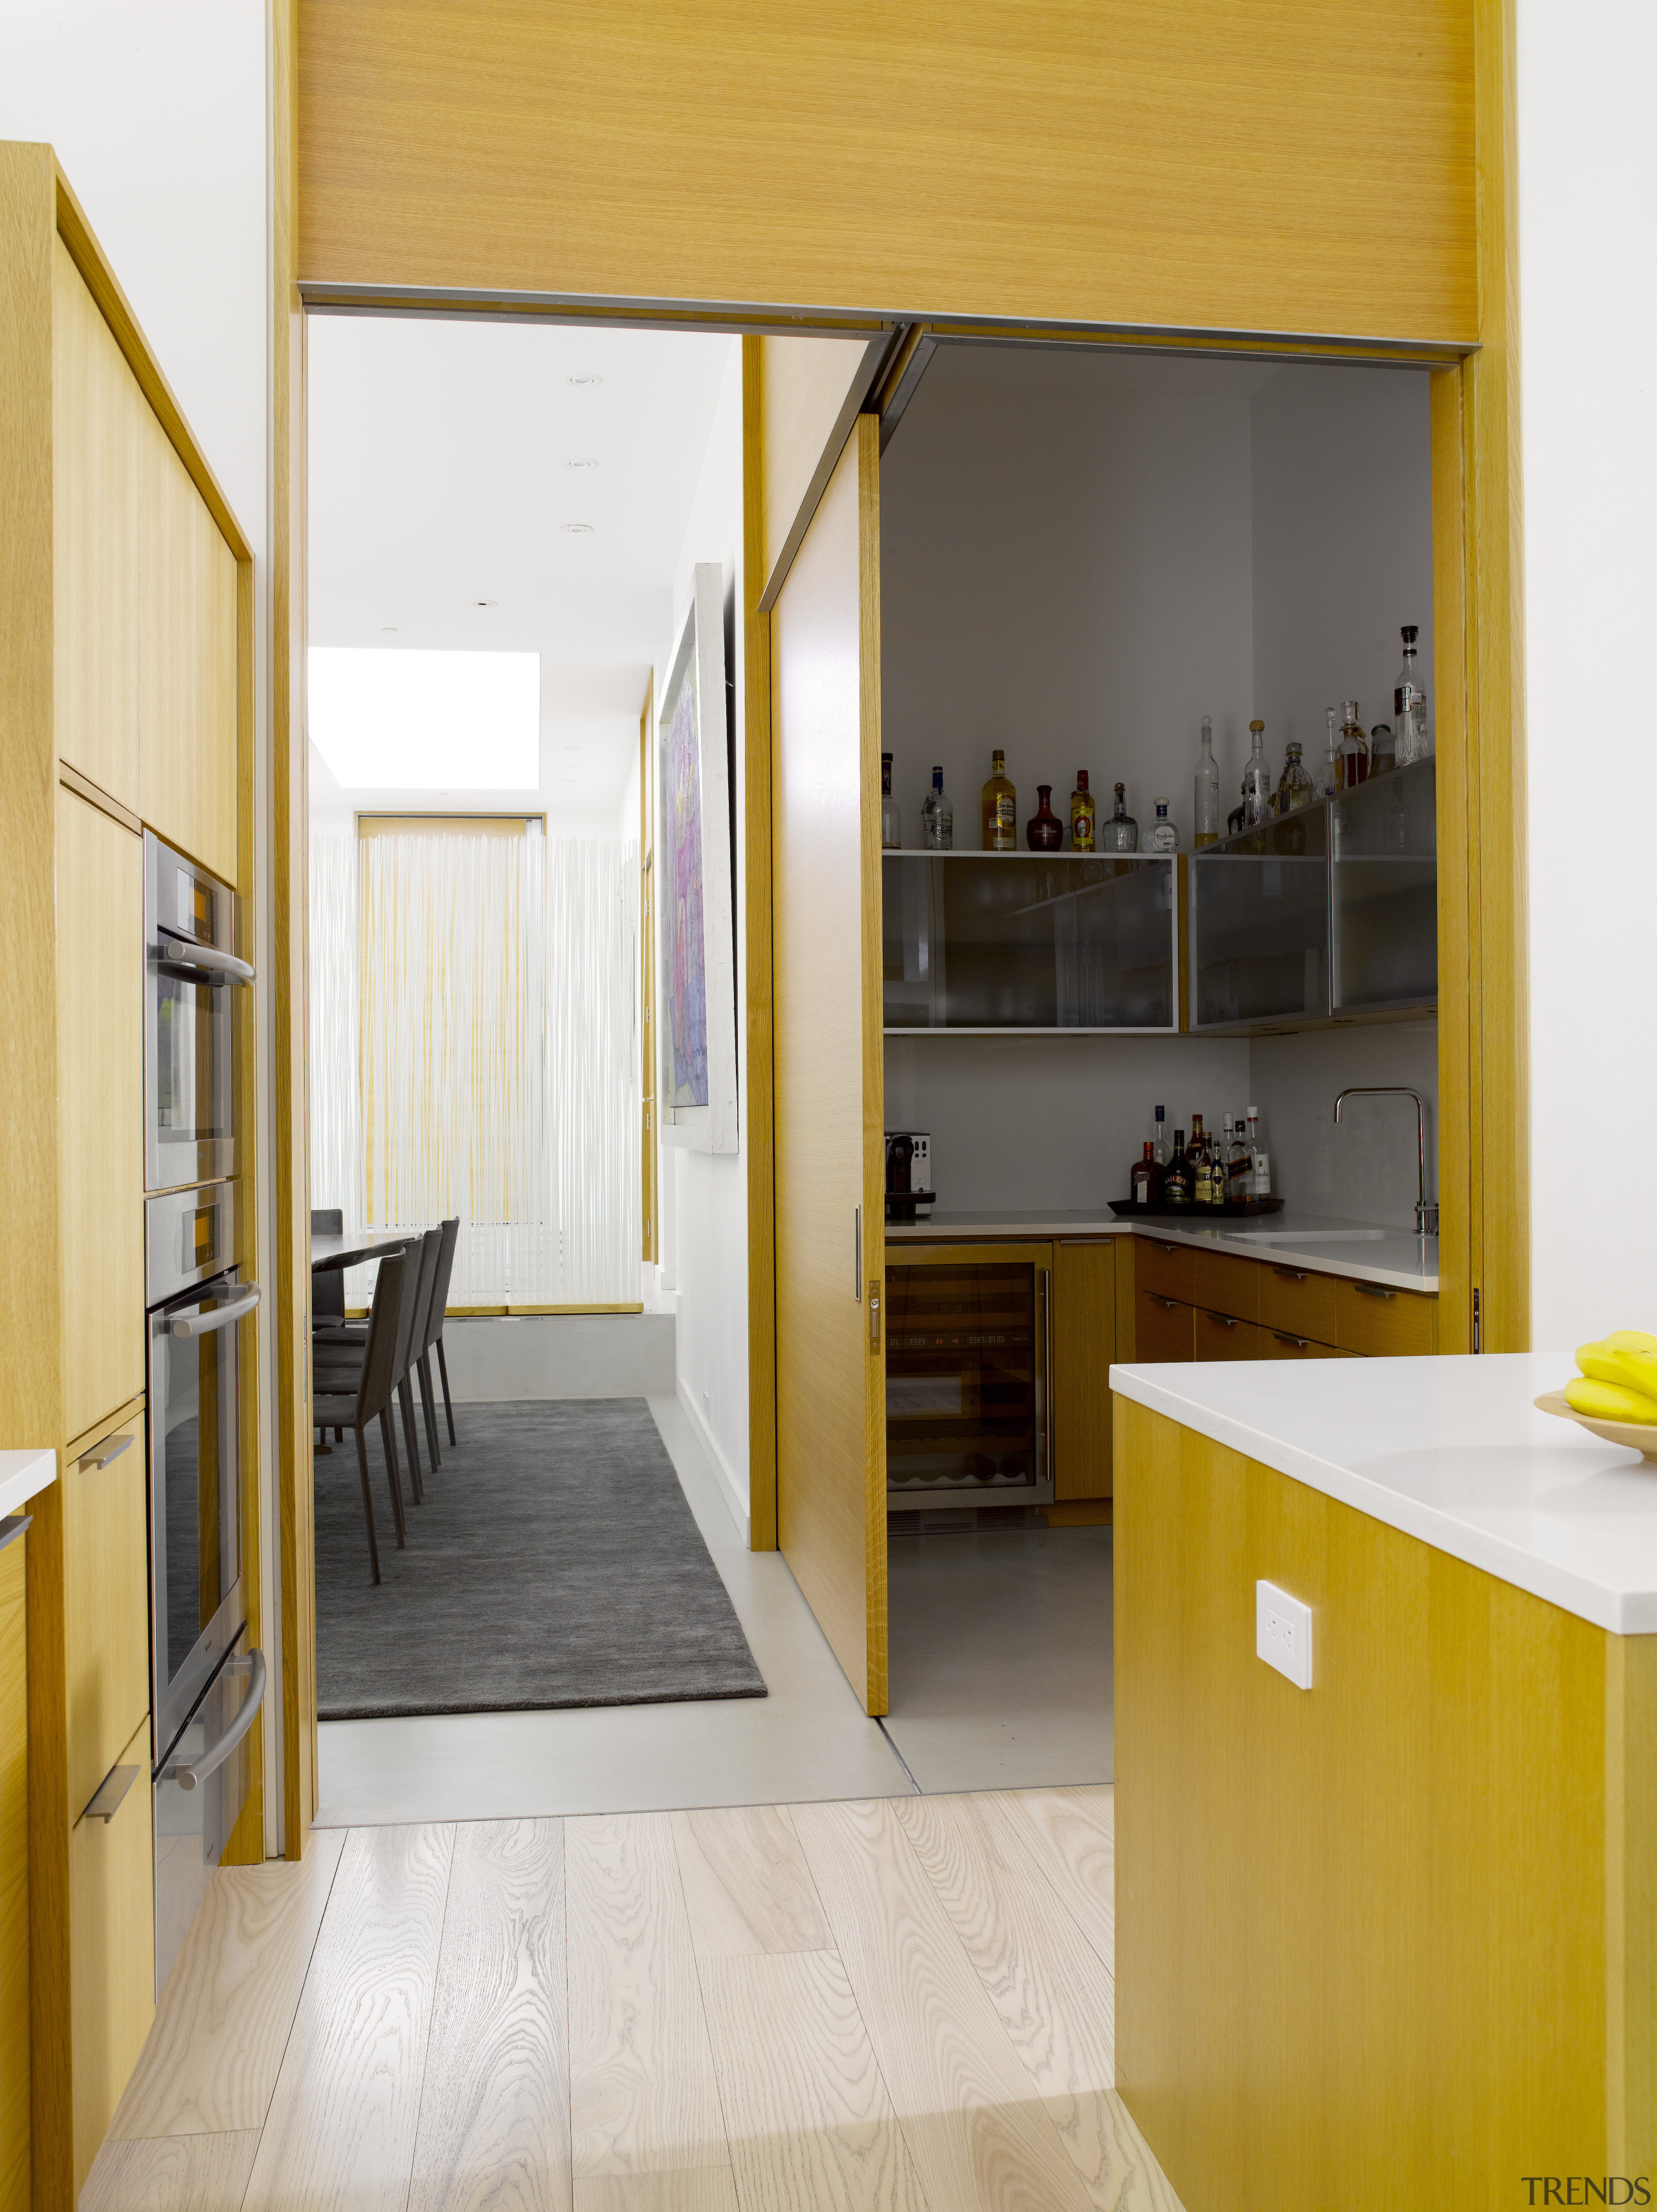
[[1426, 1215]]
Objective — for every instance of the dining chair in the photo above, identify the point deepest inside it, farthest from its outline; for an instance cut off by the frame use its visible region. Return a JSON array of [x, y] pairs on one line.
[[368, 1397], [327, 1289], [431, 1246], [434, 1318], [338, 1361]]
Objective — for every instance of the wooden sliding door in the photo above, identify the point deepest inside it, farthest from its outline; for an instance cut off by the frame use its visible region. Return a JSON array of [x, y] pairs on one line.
[[830, 1091]]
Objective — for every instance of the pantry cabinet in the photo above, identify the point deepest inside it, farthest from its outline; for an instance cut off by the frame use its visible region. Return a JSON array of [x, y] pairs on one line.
[[1193, 1304]]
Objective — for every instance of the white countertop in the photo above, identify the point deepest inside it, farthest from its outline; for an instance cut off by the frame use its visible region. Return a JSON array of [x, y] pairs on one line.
[[1450, 1450], [23, 1475], [1395, 1257]]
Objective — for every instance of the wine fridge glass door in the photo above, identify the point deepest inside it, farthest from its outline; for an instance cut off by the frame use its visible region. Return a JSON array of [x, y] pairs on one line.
[[966, 1383]]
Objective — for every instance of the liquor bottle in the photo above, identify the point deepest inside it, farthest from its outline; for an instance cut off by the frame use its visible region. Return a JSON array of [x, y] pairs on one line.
[[1121, 832], [1177, 1176], [1410, 705], [937, 818], [1159, 1138], [1000, 804], [1043, 832], [1081, 815], [1354, 747], [1296, 789], [892, 822], [1238, 1165], [1196, 1160], [1334, 775], [1383, 750], [1165, 835], [1147, 1178], [1256, 779], [1260, 1164], [1205, 792]]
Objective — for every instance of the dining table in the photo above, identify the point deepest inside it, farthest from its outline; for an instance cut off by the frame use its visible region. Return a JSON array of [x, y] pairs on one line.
[[349, 1247]]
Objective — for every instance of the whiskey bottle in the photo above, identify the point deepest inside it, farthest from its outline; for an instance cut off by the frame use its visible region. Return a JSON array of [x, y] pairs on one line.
[[1354, 747], [1081, 815], [937, 818], [1256, 779], [1294, 786], [1205, 792], [1121, 832], [1001, 802], [1043, 832], [1146, 1177], [1197, 1161], [892, 822], [1176, 1177], [1410, 705]]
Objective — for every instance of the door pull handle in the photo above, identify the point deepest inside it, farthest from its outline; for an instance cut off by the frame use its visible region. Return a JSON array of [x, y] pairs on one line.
[[191, 1773]]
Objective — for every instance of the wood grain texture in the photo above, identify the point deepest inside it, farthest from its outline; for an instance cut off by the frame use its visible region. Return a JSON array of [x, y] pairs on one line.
[[106, 1608], [1460, 1186], [965, 167], [1344, 1914], [642, 2096], [812, 389], [494, 2131], [759, 1150], [1163, 1329], [1073, 1838], [1631, 1905], [211, 2061], [13, 1882], [747, 1888], [811, 2123], [696, 2189], [95, 404], [1401, 1325], [341, 2126], [1124, 1247], [101, 1111], [1084, 1344], [111, 1989], [170, 2173], [975, 2132], [831, 1410]]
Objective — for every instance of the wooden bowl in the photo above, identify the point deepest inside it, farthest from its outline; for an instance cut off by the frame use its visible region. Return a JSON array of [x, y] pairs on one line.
[[1638, 1436]]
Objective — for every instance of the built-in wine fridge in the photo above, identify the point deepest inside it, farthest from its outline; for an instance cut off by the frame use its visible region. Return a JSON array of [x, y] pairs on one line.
[[968, 1387]]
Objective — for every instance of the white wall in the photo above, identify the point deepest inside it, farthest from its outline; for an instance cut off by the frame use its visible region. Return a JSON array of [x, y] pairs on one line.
[[1367, 1169], [704, 1196], [1588, 202]]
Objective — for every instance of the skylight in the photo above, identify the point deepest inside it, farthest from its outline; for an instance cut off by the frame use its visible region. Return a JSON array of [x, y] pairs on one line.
[[387, 719]]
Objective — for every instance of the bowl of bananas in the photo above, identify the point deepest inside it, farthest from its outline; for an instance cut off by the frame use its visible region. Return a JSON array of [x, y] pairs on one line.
[[1615, 1396]]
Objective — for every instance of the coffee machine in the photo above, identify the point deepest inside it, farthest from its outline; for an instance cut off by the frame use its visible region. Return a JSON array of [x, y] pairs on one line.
[[908, 1192]]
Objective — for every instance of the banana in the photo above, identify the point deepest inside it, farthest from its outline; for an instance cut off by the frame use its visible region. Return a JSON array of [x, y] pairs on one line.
[[1599, 1361], [1636, 1370], [1630, 1340], [1610, 1401]]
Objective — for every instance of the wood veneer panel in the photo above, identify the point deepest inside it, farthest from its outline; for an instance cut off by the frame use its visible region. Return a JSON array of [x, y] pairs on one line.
[[642, 2096], [95, 411], [99, 969], [811, 2123], [14, 1883], [1372, 1319], [1084, 1343], [341, 2126], [112, 1912], [1094, 172], [759, 1146], [977, 2138], [747, 1888], [495, 2105], [829, 1145], [210, 2063], [106, 1607], [811, 388], [170, 2173]]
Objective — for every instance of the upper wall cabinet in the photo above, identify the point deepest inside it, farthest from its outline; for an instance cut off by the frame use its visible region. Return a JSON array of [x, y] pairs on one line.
[[97, 417], [186, 662]]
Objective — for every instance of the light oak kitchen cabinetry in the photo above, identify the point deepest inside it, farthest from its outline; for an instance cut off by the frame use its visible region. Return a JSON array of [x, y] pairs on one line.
[[112, 1912], [105, 1603]]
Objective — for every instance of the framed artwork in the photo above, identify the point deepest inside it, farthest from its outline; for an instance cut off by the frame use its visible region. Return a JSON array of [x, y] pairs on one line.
[[696, 1011]]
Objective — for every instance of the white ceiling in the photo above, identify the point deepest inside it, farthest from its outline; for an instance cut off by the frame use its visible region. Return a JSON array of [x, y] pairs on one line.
[[444, 467]]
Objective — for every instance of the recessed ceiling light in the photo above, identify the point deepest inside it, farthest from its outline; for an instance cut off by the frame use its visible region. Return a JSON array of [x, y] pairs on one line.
[[578, 529], [485, 603], [587, 379], [388, 629], [580, 465]]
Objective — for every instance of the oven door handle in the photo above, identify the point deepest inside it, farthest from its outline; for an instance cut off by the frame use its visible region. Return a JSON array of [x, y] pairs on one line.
[[189, 1773], [218, 967], [204, 1324]]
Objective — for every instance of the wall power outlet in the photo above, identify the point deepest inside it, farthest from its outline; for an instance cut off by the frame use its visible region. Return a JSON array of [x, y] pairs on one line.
[[1283, 1633]]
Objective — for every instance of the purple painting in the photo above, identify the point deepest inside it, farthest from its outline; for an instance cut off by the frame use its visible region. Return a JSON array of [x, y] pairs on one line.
[[687, 974]]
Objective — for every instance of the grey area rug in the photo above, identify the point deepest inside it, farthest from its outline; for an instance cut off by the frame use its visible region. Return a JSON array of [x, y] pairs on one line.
[[556, 1561]]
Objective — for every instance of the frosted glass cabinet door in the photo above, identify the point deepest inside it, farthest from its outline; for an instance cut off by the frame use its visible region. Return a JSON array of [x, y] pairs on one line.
[[1384, 918], [1042, 941], [1260, 925]]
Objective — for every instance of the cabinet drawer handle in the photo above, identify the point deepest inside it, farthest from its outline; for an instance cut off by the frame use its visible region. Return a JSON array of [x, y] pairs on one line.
[[1219, 1321], [101, 1455], [1299, 1343], [1291, 1274], [1373, 1291], [1166, 1304]]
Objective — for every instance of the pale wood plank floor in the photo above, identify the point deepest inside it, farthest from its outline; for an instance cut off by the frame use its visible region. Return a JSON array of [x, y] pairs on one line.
[[893, 2005]]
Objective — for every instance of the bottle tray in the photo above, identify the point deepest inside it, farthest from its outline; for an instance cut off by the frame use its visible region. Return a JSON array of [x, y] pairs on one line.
[[1234, 1210]]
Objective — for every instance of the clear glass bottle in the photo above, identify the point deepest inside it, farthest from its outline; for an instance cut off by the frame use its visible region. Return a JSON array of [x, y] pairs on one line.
[[1333, 778], [1001, 806], [891, 821], [1383, 755], [1259, 1180], [1296, 789], [1121, 832], [1165, 835], [1410, 705], [1354, 747], [1081, 815], [1238, 1164], [1159, 1137], [1256, 779], [937, 818], [1205, 791]]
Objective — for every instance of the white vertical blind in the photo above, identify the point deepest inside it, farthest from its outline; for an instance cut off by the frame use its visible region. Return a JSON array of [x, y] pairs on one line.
[[490, 1070]]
